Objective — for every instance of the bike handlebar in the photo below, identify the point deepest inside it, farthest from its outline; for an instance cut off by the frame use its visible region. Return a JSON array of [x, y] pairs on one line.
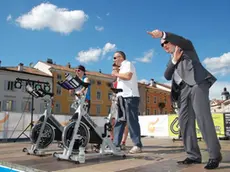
[[116, 90]]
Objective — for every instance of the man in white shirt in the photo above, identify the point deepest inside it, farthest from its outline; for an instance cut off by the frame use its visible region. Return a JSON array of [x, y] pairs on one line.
[[127, 81]]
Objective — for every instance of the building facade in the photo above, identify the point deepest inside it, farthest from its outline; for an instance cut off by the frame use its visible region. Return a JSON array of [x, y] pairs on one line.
[[157, 101], [100, 91], [18, 100]]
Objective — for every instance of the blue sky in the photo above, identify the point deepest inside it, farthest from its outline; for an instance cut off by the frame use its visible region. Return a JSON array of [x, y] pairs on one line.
[[87, 32]]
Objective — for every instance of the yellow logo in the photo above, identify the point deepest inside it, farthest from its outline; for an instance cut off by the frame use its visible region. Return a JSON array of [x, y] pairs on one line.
[[151, 126]]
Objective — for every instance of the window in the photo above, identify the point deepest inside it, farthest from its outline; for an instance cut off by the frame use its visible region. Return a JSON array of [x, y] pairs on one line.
[[9, 105], [9, 85], [108, 109], [148, 99], [59, 77], [71, 110], [165, 100], [148, 112], [110, 96], [26, 106], [0, 106], [98, 95], [155, 99], [98, 82], [23, 88], [155, 111], [109, 84], [58, 90], [57, 107], [92, 81], [98, 109]]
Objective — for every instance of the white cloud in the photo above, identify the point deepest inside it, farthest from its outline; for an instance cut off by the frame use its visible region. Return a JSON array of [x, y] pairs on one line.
[[108, 48], [91, 55], [108, 14], [147, 57], [98, 17], [144, 81], [218, 65], [47, 15], [94, 54], [9, 17], [99, 28], [134, 62]]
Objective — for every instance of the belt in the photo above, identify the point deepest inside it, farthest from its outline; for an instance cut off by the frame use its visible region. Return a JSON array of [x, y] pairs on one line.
[[182, 84]]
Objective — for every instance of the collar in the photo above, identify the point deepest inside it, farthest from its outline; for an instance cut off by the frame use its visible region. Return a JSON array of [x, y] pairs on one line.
[[123, 62]]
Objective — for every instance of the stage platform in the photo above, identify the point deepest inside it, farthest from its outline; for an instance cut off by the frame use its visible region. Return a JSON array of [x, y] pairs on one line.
[[159, 155]]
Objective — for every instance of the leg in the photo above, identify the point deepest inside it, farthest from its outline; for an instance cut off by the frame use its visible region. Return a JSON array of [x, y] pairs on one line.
[[187, 126], [200, 101], [118, 132], [124, 138], [125, 135], [131, 107], [119, 125], [111, 132]]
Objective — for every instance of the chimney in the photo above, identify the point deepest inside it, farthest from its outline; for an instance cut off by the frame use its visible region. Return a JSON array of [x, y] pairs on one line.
[[20, 67], [99, 70], [50, 61], [225, 94], [152, 82], [68, 65], [0, 63]]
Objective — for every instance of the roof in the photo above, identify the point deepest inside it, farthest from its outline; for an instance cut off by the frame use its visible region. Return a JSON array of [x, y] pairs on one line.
[[158, 89], [66, 68], [26, 70], [216, 102], [163, 85]]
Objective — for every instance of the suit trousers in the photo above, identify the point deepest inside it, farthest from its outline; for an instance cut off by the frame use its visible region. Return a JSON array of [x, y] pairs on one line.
[[194, 104]]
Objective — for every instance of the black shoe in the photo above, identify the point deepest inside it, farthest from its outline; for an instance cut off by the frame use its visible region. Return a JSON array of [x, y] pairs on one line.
[[189, 161], [213, 163]]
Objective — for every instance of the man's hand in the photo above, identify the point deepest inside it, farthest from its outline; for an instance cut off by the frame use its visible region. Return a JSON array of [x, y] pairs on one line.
[[177, 54], [156, 33]]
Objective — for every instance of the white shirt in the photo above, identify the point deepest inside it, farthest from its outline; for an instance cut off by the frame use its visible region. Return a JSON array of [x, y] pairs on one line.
[[129, 87], [176, 76]]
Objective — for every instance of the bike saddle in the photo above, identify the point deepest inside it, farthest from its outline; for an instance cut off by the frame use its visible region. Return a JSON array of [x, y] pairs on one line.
[[116, 90]]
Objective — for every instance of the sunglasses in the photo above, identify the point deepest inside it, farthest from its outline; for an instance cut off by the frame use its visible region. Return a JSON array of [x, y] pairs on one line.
[[78, 70], [116, 57], [162, 44]]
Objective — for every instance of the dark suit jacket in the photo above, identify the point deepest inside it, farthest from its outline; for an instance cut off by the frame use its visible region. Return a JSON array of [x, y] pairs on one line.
[[189, 66]]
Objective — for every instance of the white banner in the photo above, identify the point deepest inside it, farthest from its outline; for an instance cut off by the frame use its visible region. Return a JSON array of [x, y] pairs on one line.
[[12, 124], [154, 125]]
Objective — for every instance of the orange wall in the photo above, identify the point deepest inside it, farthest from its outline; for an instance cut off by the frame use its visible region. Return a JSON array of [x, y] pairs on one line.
[[160, 97]]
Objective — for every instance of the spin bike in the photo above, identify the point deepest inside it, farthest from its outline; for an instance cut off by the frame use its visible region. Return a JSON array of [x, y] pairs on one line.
[[84, 130], [47, 129]]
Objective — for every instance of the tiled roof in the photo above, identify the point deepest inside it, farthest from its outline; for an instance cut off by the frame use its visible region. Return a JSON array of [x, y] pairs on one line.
[[27, 70], [66, 68], [215, 102], [154, 88], [163, 85]]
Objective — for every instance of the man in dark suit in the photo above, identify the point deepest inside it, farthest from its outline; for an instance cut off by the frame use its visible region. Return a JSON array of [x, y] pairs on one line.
[[190, 90]]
